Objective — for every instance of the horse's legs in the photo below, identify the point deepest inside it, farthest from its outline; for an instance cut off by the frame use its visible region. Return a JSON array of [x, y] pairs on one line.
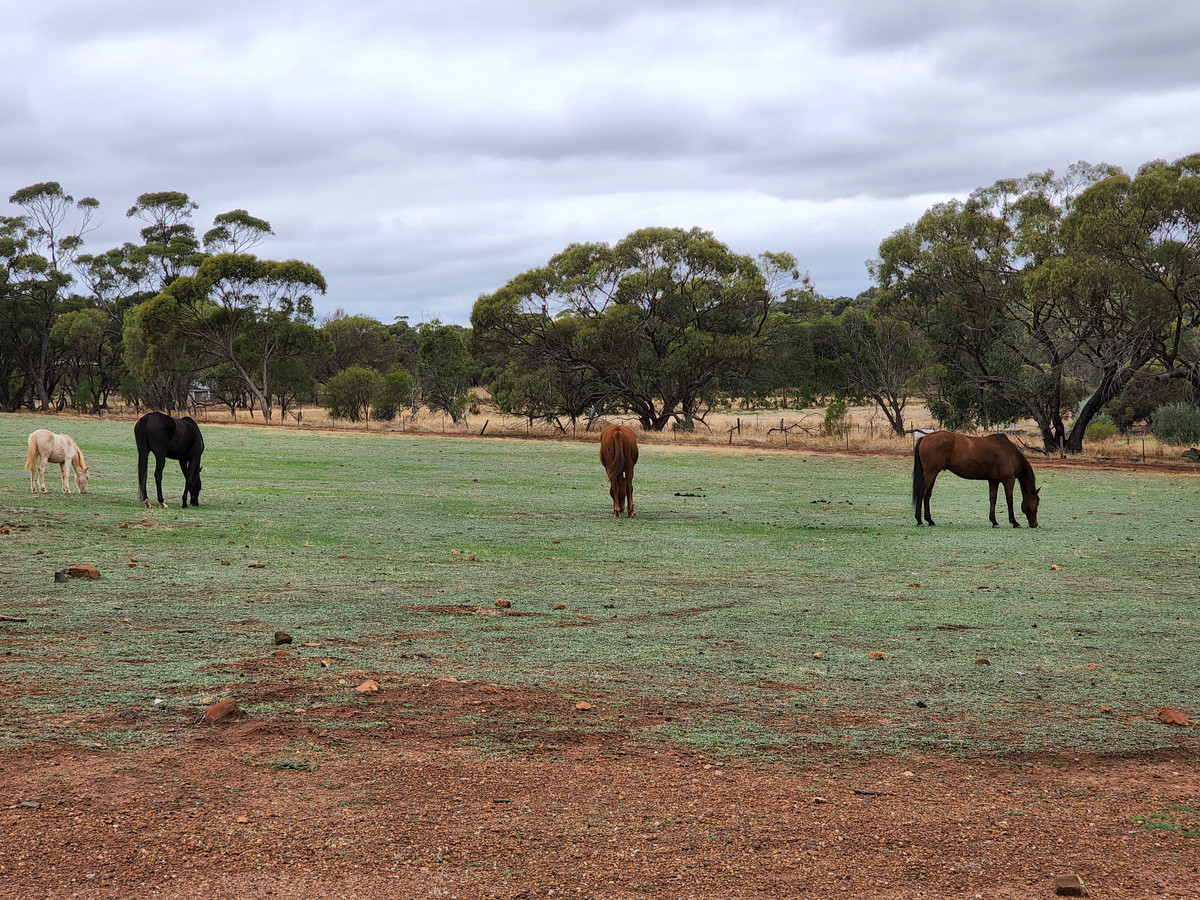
[[930, 478], [159, 462], [63, 467], [628, 496], [187, 481], [33, 477], [41, 473], [1008, 489]]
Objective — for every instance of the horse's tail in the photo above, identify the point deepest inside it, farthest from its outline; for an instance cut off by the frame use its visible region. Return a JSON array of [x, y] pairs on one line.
[[918, 476], [31, 461], [617, 470]]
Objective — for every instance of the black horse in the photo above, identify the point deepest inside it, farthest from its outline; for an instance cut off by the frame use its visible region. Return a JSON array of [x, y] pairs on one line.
[[169, 438]]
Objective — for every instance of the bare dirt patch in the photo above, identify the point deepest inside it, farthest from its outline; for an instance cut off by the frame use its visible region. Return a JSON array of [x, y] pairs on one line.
[[453, 789]]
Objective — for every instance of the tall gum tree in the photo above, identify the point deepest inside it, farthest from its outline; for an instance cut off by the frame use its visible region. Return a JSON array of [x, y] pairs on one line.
[[239, 309], [659, 319]]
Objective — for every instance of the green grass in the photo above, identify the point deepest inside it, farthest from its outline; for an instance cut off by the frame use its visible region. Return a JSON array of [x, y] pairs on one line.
[[708, 607]]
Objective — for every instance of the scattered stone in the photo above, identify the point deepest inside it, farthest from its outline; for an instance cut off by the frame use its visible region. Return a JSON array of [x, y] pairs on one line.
[[282, 637], [367, 687], [83, 571], [257, 565], [1192, 454], [875, 654], [817, 655], [1056, 568], [560, 606], [502, 604], [1070, 886], [220, 710], [281, 653], [31, 804], [1172, 716], [983, 661], [583, 705]]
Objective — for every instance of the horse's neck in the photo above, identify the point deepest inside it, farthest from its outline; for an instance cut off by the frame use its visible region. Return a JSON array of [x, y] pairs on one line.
[[1025, 476]]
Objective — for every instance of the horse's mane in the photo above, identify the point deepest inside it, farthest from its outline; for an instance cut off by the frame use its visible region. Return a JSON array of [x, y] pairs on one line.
[[78, 450]]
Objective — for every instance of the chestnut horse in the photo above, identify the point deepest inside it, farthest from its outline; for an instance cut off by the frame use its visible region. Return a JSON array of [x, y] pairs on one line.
[[992, 458], [619, 453], [47, 447]]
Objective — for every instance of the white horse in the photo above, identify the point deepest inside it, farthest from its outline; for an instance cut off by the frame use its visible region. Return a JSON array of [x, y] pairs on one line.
[[55, 448]]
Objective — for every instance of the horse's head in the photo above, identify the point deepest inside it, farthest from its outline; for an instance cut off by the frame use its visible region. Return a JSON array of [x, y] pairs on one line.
[[1029, 506], [81, 478]]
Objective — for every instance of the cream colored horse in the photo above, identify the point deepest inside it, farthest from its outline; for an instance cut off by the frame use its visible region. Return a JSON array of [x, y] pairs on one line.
[[47, 447]]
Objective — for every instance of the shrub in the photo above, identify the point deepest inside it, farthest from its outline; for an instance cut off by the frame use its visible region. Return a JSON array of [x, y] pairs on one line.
[[837, 418], [1101, 428], [1176, 423]]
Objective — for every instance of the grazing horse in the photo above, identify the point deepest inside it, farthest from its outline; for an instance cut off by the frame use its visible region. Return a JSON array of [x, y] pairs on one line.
[[47, 447], [619, 453], [169, 438], [993, 458]]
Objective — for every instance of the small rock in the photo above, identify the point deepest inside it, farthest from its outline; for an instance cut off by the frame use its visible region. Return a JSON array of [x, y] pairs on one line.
[[61, 577], [367, 687], [502, 604], [1172, 716], [226, 562], [1056, 568], [220, 710], [817, 655], [560, 606], [1070, 886], [983, 661], [282, 637], [583, 705], [875, 654], [282, 653], [31, 804], [257, 565], [83, 571]]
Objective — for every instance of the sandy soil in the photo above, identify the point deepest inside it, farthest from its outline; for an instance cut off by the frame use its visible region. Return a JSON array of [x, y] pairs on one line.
[[471, 790]]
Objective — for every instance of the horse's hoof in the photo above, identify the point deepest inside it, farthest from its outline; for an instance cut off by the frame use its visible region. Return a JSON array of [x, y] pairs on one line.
[[163, 504]]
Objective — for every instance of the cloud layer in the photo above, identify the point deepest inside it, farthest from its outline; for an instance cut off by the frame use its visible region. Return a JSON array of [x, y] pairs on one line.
[[423, 153]]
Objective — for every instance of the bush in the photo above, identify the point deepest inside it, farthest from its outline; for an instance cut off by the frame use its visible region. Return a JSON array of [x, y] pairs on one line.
[[1101, 428], [837, 418], [1176, 423]]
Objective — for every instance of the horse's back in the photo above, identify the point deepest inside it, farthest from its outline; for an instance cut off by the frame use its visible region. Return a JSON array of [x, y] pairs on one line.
[[989, 456], [618, 442]]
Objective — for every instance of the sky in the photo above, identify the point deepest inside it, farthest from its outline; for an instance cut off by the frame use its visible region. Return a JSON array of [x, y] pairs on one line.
[[423, 153]]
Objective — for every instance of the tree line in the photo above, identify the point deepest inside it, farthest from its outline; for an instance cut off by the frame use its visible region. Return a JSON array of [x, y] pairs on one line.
[[1066, 299]]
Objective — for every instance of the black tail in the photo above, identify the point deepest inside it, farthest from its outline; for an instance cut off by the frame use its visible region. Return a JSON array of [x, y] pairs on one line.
[[918, 477]]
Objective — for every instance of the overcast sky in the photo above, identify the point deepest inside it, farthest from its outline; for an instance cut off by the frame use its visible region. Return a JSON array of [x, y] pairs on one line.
[[422, 153]]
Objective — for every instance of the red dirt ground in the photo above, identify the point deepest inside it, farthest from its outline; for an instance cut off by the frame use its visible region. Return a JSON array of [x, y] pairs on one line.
[[450, 789]]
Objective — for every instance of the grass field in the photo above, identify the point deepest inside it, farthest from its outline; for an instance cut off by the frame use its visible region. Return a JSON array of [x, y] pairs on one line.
[[744, 602]]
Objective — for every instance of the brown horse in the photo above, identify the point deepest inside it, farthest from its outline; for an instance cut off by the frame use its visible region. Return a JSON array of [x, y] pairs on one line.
[[619, 453], [993, 458]]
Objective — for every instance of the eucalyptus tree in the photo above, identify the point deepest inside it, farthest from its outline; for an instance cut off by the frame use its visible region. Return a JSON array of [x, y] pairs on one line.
[[37, 251], [239, 310], [656, 321], [1142, 234], [971, 276]]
